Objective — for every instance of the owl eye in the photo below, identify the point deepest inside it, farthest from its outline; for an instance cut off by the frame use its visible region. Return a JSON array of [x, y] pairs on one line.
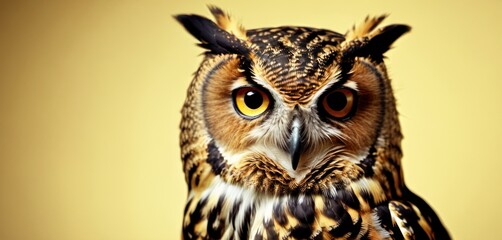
[[339, 103], [250, 102]]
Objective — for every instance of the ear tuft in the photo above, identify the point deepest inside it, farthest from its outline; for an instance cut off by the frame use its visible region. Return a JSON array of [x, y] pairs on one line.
[[382, 41], [363, 29], [374, 45], [225, 22], [212, 37]]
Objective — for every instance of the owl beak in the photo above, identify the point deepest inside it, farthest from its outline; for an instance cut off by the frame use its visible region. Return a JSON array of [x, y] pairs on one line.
[[295, 143]]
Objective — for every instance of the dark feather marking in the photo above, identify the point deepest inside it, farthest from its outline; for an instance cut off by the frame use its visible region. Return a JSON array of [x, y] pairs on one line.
[[281, 57], [187, 156], [368, 163], [214, 158], [348, 197], [234, 211], [368, 196], [279, 214], [390, 178], [319, 236], [269, 228], [295, 34], [194, 217], [304, 211], [344, 225], [385, 218], [186, 206], [301, 232], [214, 216], [329, 59], [211, 36], [411, 221], [428, 213], [310, 56], [356, 228], [347, 58], [310, 37], [321, 172], [191, 172], [244, 231], [197, 180], [320, 47], [333, 209]]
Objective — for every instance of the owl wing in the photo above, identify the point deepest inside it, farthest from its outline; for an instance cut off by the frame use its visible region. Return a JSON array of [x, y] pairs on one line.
[[411, 218]]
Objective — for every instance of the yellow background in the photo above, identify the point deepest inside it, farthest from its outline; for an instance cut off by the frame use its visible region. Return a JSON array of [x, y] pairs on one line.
[[90, 94]]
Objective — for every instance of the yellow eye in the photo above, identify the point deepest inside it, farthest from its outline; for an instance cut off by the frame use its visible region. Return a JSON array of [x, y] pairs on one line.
[[250, 102], [339, 103]]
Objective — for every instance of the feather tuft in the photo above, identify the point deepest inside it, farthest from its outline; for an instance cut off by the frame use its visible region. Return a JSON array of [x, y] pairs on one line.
[[365, 28], [225, 22], [211, 36]]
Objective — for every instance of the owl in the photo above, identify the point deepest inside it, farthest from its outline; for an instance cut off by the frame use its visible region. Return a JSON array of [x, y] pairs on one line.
[[293, 133]]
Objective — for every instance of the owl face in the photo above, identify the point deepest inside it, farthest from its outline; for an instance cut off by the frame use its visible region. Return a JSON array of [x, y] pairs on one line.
[[247, 114], [280, 106]]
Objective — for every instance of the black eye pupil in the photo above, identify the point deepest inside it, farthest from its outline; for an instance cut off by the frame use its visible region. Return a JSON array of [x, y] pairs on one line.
[[253, 99], [337, 101]]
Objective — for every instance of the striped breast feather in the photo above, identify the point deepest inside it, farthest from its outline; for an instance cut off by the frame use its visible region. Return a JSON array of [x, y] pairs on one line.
[[404, 220]]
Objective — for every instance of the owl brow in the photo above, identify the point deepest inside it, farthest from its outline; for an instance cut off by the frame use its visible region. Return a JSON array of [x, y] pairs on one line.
[[346, 63], [343, 75], [248, 80], [339, 79], [246, 66], [335, 82]]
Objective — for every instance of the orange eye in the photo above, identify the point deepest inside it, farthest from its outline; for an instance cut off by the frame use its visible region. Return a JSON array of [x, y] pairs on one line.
[[339, 103], [250, 102]]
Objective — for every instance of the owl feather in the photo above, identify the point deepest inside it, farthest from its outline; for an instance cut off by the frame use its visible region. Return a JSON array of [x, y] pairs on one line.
[[212, 36], [365, 28], [226, 23]]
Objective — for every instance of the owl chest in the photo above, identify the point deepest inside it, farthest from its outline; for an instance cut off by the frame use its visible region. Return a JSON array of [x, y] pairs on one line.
[[243, 215]]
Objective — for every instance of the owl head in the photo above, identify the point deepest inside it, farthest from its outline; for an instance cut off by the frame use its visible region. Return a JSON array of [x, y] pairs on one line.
[[289, 109]]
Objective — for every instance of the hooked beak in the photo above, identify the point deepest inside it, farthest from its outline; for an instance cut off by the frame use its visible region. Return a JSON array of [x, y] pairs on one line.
[[295, 143]]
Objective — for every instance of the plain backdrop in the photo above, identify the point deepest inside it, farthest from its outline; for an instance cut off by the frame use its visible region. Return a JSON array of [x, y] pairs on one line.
[[90, 93]]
